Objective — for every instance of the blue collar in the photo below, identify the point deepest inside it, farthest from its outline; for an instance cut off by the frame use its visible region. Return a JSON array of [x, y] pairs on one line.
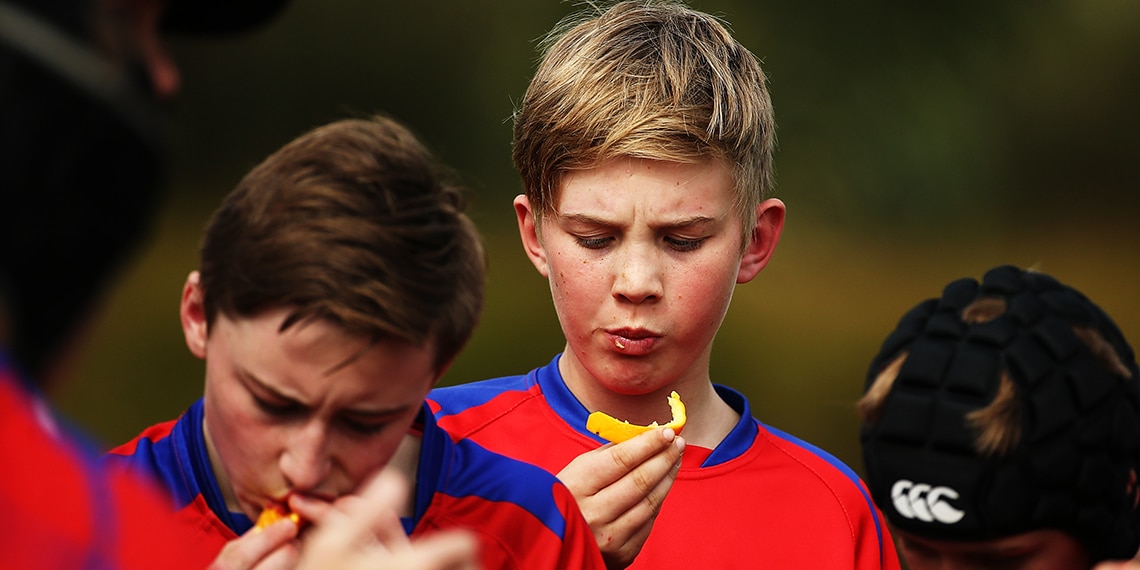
[[567, 406], [191, 429]]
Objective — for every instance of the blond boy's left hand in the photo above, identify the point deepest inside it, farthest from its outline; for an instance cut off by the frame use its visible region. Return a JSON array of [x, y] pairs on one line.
[[620, 488]]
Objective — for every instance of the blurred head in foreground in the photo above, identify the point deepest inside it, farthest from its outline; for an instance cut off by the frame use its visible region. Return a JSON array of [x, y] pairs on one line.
[[84, 92]]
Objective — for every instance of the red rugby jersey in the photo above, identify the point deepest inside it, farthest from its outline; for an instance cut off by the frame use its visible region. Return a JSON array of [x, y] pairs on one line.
[[761, 499], [524, 517]]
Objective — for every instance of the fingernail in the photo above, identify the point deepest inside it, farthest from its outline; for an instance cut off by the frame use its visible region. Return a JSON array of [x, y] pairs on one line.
[[670, 435]]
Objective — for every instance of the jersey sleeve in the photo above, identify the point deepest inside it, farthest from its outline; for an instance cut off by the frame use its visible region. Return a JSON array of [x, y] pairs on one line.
[[523, 515], [510, 539]]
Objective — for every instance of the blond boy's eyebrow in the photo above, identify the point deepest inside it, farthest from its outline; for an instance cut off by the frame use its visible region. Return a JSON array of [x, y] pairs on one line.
[[688, 222], [585, 219], [681, 223]]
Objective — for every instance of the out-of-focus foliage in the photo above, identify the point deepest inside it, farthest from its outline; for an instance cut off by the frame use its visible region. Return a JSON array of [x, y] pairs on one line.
[[919, 142]]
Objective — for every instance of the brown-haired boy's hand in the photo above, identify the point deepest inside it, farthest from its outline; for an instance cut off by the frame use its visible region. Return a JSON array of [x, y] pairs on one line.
[[271, 547], [620, 488], [361, 530]]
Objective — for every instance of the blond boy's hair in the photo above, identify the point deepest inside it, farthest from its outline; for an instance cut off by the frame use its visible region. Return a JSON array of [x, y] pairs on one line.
[[651, 79]]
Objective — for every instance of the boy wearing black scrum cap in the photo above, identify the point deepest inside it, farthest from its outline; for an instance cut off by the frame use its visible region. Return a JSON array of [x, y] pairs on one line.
[[1001, 428]]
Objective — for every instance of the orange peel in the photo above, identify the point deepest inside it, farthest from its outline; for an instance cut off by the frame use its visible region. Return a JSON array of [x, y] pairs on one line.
[[274, 513], [613, 429]]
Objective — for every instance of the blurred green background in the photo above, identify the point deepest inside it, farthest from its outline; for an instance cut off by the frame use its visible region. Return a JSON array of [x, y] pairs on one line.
[[918, 143]]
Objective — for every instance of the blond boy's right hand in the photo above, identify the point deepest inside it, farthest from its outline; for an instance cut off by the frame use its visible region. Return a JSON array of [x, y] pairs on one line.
[[620, 488]]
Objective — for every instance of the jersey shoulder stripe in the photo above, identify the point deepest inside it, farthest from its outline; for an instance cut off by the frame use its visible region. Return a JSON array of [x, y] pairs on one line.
[[465, 469], [812, 451]]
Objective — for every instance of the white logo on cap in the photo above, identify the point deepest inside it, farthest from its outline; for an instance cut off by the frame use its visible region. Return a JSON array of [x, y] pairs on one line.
[[925, 503]]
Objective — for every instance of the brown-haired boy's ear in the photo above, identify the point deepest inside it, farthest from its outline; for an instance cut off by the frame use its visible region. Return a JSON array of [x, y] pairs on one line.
[[528, 231], [769, 225], [193, 314]]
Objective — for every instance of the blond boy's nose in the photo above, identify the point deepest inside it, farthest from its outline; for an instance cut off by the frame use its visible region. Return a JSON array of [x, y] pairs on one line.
[[638, 277]]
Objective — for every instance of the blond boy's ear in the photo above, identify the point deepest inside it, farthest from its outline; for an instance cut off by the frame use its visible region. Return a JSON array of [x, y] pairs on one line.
[[769, 225], [528, 231], [193, 314]]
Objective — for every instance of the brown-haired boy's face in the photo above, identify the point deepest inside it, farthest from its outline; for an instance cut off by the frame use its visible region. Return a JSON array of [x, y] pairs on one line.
[[308, 410], [1035, 550]]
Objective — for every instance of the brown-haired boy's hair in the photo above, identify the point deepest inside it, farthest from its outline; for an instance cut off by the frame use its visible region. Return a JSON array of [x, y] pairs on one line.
[[355, 222], [649, 79]]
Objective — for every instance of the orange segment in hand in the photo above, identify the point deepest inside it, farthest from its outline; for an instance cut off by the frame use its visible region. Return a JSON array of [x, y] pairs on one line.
[[608, 427], [274, 513]]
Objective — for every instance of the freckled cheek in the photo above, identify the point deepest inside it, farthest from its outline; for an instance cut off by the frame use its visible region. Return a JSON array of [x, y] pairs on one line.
[[577, 277], [702, 295], [579, 294]]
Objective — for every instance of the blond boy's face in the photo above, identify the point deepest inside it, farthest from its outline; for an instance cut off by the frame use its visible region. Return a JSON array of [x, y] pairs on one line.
[[284, 413], [642, 257]]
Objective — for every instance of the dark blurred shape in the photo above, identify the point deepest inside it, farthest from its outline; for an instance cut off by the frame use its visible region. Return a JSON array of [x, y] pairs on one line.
[[82, 146], [82, 142], [218, 16]]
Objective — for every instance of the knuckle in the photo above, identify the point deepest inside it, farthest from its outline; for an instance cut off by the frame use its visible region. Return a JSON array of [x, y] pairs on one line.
[[642, 482], [622, 460], [653, 502]]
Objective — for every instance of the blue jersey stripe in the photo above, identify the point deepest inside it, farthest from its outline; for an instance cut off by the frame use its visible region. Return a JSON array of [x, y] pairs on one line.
[[466, 469], [842, 468]]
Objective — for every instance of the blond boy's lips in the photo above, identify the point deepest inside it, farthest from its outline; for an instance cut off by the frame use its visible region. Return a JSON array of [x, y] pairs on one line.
[[632, 341]]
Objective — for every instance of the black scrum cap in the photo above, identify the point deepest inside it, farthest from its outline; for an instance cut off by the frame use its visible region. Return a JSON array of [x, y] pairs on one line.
[[1073, 467]]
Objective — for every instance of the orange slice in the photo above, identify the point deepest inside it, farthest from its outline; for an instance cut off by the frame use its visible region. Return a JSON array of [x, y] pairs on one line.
[[274, 513], [608, 427]]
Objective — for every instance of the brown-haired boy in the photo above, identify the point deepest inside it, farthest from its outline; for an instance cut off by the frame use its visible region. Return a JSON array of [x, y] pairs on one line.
[[337, 283], [644, 143]]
